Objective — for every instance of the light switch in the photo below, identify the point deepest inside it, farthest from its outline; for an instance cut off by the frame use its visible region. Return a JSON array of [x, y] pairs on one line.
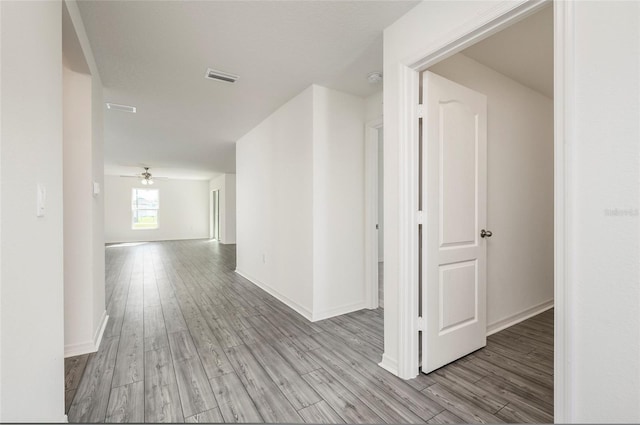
[[42, 197], [96, 188]]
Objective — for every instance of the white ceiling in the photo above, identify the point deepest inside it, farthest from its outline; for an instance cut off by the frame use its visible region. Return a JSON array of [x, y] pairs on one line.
[[522, 52], [153, 55]]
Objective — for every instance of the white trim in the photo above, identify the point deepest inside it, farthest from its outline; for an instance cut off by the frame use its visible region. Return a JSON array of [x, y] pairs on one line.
[[305, 312], [89, 346], [65, 419], [97, 337], [371, 259], [471, 32], [407, 363], [518, 317], [563, 135], [388, 364], [337, 311]]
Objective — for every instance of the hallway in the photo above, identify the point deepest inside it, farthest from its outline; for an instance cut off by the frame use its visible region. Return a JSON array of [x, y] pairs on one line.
[[188, 340]]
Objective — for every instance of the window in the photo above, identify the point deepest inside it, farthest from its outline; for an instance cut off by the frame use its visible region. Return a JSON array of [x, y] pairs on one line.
[[144, 209]]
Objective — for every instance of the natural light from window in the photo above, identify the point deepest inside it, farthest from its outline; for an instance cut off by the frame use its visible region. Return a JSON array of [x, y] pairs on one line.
[[144, 209]]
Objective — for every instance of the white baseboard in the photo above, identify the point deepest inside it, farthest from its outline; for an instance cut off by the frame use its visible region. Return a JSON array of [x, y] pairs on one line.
[[89, 346], [97, 337], [65, 419], [337, 311], [518, 317], [388, 364], [294, 305]]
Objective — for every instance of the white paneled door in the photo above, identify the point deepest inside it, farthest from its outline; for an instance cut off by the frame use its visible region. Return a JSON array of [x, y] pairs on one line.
[[454, 254]]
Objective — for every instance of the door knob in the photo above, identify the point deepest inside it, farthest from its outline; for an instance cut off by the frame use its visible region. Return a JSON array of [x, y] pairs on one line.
[[485, 233]]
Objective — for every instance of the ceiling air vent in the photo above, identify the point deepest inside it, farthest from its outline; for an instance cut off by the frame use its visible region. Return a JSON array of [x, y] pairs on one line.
[[212, 74], [123, 108]]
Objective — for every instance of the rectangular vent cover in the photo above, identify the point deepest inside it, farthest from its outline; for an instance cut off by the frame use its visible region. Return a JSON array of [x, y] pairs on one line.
[[212, 74], [123, 108]]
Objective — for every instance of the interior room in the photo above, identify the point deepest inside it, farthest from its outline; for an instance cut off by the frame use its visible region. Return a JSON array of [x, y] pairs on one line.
[[514, 70], [319, 212]]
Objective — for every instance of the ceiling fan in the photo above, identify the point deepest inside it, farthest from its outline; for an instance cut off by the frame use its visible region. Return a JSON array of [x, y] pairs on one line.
[[146, 177]]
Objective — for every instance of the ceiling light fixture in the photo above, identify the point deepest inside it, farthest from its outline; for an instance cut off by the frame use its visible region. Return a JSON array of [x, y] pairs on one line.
[[146, 177], [212, 74], [123, 108], [374, 77]]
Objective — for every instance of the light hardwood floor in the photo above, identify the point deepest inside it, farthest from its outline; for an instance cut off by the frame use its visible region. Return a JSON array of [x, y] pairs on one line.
[[188, 340]]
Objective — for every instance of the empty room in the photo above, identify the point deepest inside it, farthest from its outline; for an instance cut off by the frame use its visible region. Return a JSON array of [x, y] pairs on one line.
[[319, 211]]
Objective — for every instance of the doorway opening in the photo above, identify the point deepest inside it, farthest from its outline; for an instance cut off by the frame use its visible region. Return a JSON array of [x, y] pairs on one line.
[[486, 195], [374, 213], [215, 215], [380, 226]]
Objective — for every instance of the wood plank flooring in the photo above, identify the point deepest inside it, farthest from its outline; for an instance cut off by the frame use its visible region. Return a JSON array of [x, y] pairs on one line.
[[188, 340]]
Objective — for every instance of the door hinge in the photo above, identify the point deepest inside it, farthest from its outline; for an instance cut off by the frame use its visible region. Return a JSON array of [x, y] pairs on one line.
[[421, 324], [420, 217], [420, 110]]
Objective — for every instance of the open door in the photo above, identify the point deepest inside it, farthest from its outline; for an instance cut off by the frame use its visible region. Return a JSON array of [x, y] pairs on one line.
[[454, 254]]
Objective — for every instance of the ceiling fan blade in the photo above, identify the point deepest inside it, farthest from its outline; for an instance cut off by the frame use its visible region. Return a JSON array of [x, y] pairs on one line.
[[140, 177]]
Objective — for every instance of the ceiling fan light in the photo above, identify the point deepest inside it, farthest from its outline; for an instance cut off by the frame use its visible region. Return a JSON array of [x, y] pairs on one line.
[[143, 181], [149, 181]]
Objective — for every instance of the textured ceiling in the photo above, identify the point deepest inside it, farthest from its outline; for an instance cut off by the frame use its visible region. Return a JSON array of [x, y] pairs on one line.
[[522, 52], [153, 55]]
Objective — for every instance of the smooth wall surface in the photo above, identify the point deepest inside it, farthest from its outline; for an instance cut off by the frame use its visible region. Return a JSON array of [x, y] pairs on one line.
[[31, 261], [373, 107], [230, 201], [300, 206], [520, 190], [183, 214], [83, 210], [274, 171], [338, 199], [604, 295], [78, 264]]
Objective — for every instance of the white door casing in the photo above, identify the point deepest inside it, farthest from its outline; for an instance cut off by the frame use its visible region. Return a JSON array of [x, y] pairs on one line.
[[454, 186]]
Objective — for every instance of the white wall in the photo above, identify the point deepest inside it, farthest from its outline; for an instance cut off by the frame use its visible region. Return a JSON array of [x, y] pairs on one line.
[[226, 184], [373, 107], [78, 267], [602, 297], [520, 190], [274, 172], [230, 216], [31, 279], [338, 202], [300, 183], [604, 292], [183, 214], [85, 314]]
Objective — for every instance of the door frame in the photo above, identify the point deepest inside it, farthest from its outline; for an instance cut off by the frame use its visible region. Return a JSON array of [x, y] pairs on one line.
[[473, 31], [372, 129], [214, 204]]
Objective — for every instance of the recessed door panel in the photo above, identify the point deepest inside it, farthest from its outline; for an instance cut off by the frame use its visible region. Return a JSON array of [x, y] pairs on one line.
[[458, 295], [458, 150]]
